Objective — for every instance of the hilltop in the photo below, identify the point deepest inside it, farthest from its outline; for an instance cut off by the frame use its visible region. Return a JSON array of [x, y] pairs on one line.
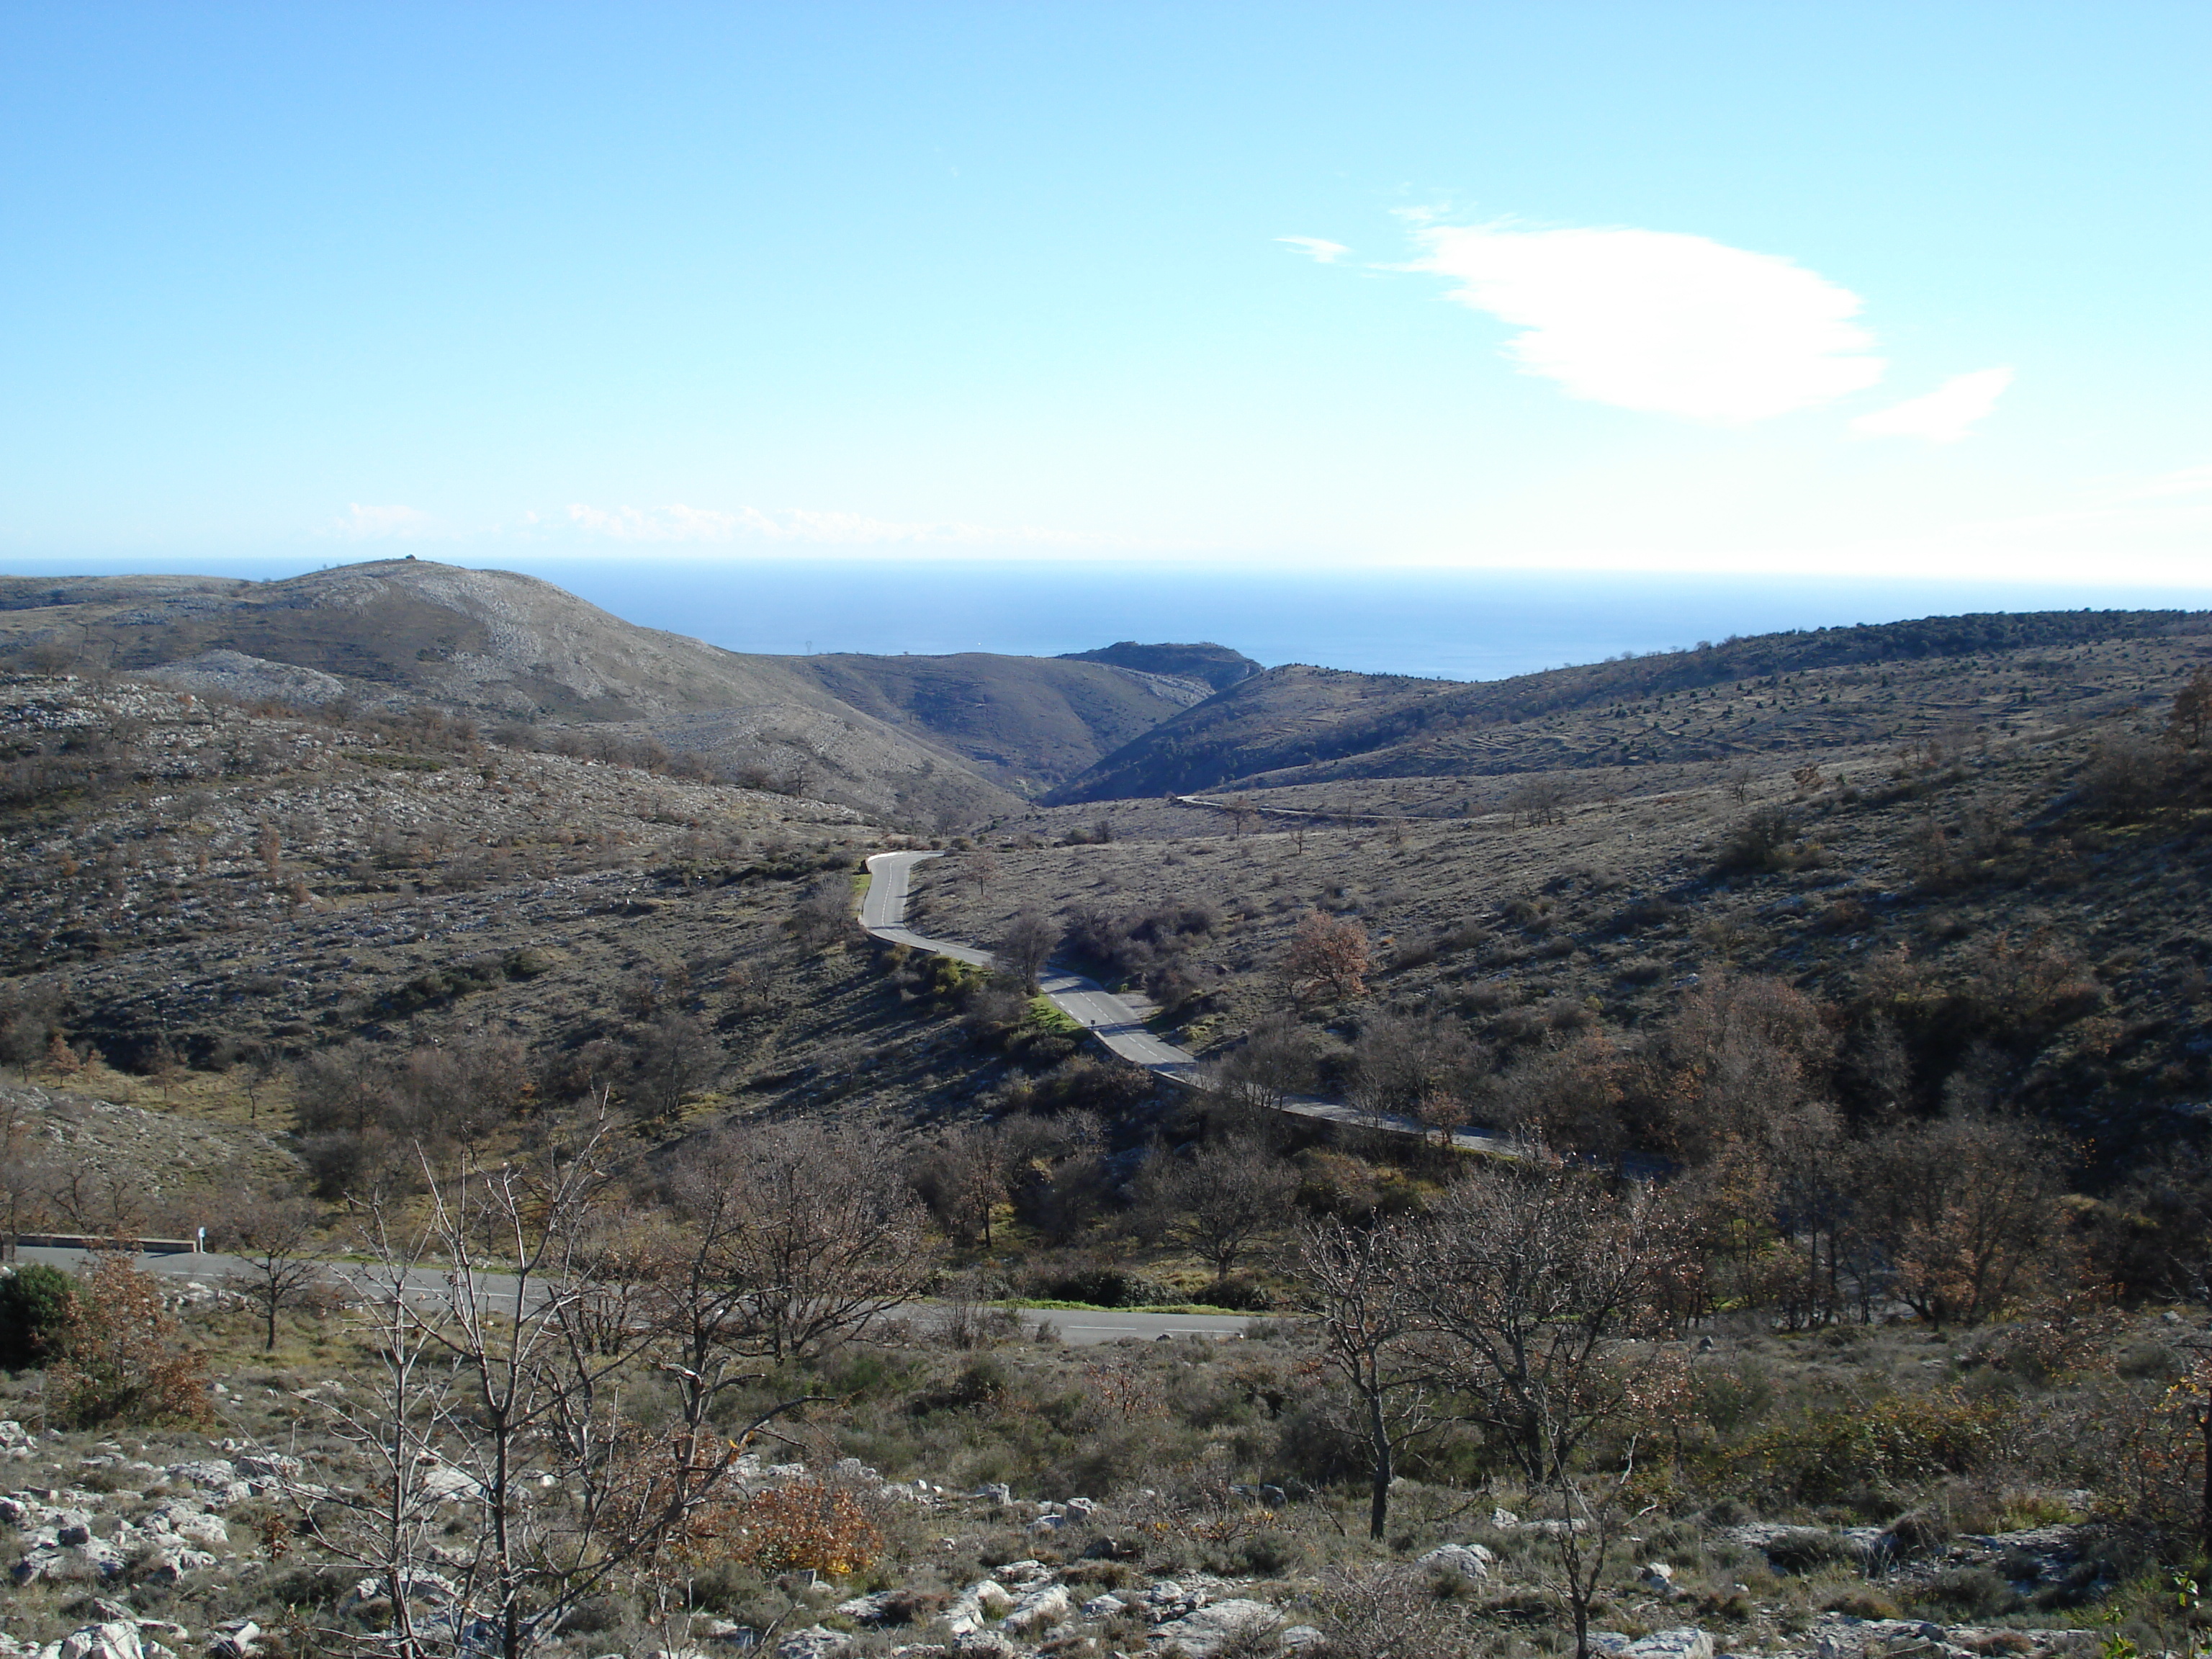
[[1211, 665], [926, 740], [1717, 703]]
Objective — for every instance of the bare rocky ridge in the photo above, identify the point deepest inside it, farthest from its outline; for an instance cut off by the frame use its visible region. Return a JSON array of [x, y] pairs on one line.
[[1704, 708], [928, 740], [399, 632]]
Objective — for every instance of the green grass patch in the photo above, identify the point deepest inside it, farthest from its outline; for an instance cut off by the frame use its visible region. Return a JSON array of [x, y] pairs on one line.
[[1043, 1017]]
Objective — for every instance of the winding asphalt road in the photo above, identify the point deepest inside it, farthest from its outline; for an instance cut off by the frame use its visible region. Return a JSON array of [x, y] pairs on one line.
[[1085, 1328], [1117, 1024]]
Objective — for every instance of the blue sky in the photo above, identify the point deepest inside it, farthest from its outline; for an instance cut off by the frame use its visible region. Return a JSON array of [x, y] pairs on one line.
[[1858, 289]]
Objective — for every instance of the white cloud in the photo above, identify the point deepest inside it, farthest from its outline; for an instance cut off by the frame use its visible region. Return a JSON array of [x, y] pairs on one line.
[[1945, 415], [1327, 251], [362, 522], [678, 523], [1655, 320]]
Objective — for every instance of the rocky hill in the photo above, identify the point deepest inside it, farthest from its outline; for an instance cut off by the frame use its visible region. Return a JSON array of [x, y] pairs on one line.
[[928, 740], [1214, 665], [1826, 688]]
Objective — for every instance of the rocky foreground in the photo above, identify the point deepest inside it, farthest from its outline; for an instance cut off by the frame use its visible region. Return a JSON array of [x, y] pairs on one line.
[[113, 1533]]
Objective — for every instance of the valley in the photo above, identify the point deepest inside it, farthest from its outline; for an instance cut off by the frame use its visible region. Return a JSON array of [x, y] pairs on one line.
[[1847, 992]]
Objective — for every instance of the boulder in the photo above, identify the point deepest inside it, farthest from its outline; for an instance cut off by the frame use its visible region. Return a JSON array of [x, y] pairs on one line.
[[1686, 1641], [864, 1609], [1040, 1608], [432, 1589], [206, 1530], [1202, 1631], [976, 1606], [444, 1484], [207, 1473], [815, 1641], [172, 1564], [95, 1559], [113, 1638], [1470, 1561]]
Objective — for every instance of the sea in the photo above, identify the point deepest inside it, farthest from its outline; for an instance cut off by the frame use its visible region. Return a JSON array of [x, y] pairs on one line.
[[1446, 624]]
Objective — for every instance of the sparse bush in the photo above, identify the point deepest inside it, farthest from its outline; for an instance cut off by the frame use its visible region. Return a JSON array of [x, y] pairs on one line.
[[1968, 1593], [804, 1526], [124, 1360]]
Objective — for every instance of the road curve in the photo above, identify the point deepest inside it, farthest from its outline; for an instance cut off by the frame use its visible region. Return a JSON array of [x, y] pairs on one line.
[[1117, 1026]]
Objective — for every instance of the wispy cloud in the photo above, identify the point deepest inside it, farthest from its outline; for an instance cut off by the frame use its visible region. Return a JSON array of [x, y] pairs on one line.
[[1943, 415], [364, 523], [676, 522], [1655, 320], [1327, 251]]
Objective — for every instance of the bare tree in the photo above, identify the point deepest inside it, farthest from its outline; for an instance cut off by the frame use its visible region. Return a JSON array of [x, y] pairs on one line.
[[1534, 1278], [271, 1236], [982, 868], [1216, 1199], [1327, 958], [1360, 1283], [819, 1234], [825, 916], [1537, 1283], [495, 1394], [700, 1299], [346, 1088], [1404, 1064], [675, 1055], [1275, 1061], [966, 1177], [1538, 799], [1966, 1207], [1027, 944]]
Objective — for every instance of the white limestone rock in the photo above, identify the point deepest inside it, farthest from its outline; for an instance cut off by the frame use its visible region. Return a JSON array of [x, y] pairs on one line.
[[1470, 1561], [1205, 1629]]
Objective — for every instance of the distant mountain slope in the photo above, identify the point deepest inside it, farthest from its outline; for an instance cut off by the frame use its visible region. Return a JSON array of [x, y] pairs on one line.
[[500, 644], [1215, 666], [1027, 723], [1300, 724], [935, 740]]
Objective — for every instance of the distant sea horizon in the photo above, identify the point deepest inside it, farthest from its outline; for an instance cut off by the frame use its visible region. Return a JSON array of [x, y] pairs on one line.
[[1446, 624]]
